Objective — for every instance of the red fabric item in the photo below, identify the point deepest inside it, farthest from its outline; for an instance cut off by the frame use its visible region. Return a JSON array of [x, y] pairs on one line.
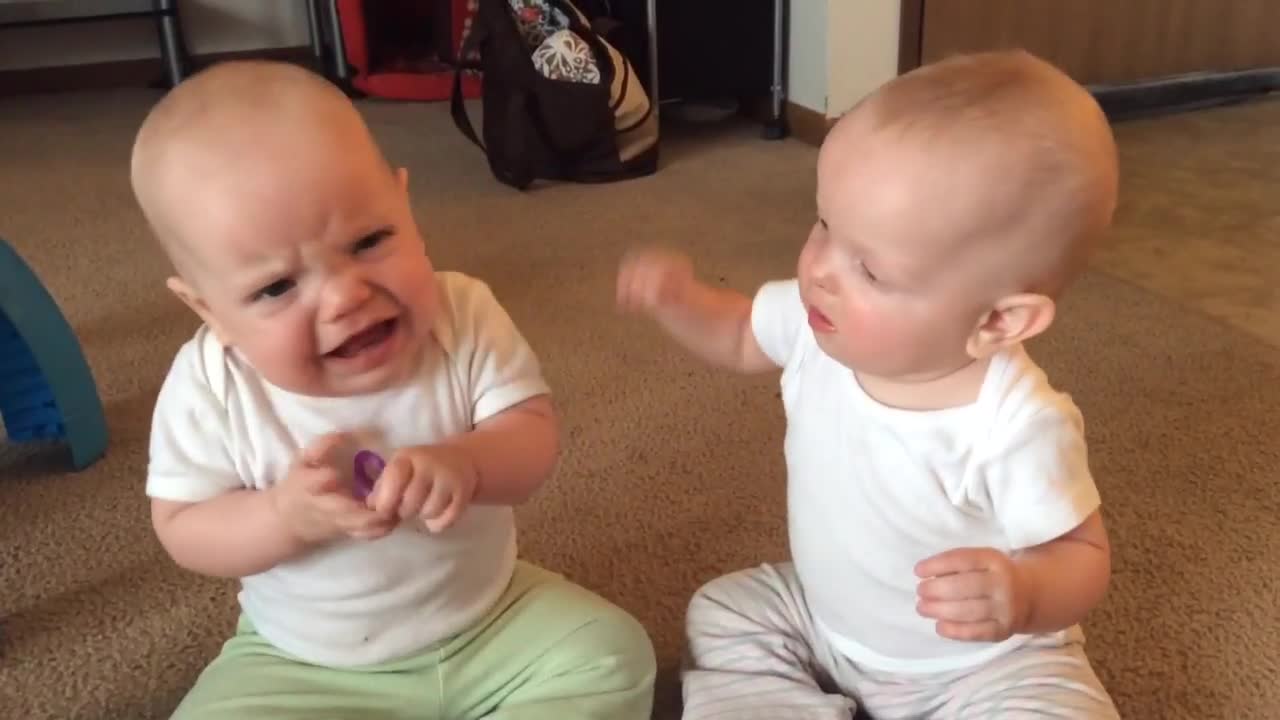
[[403, 49]]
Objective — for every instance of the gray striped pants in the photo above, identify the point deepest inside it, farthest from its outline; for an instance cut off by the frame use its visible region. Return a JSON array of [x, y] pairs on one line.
[[754, 654]]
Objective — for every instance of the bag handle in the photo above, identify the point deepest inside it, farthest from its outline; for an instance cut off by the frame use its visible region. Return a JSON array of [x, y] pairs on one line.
[[456, 106], [519, 178], [477, 35]]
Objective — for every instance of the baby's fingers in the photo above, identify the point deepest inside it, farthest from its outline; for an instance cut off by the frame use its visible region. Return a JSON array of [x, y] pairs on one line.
[[319, 480], [642, 277], [411, 502], [438, 502], [337, 505], [389, 490], [319, 451], [354, 519], [374, 532], [620, 290], [981, 631], [630, 285], [961, 586], [446, 519], [959, 611]]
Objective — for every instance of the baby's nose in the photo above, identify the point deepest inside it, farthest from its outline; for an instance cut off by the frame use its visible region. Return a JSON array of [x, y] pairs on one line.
[[345, 294]]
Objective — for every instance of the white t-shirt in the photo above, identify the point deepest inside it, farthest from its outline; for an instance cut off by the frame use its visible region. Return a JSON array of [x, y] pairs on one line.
[[219, 427], [873, 490]]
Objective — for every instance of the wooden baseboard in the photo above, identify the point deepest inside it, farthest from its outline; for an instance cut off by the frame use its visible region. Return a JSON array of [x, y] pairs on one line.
[[1162, 95], [1182, 93], [804, 124], [807, 125], [1121, 102], [146, 72]]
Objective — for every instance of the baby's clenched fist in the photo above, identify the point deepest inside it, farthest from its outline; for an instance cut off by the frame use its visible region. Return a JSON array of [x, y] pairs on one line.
[[314, 504], [652, 278], [433, 483]]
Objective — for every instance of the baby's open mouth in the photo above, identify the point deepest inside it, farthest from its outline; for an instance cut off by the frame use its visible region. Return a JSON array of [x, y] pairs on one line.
[[371, 336]]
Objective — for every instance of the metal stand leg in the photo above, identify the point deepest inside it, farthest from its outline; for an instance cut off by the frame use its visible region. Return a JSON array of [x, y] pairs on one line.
[[340, 67], [651, 16], [316, 32], [172, 48], [776, 128]]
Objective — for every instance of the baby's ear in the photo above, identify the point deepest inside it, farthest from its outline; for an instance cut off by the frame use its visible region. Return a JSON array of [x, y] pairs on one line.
[[1014, 319], [191, 299], [402, 178]]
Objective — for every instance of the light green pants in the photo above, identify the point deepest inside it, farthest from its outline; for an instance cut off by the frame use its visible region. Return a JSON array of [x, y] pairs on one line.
[[549, 650]]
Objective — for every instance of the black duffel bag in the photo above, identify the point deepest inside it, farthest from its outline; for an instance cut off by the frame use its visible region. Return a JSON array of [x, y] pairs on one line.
[[536, 126]]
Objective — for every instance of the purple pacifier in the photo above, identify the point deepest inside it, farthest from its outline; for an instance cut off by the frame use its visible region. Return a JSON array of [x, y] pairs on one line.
[[368, 466]]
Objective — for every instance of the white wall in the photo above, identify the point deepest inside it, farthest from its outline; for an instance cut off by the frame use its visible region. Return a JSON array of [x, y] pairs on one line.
[[862, 50], [209, 26], [840, 50], [807, 53]]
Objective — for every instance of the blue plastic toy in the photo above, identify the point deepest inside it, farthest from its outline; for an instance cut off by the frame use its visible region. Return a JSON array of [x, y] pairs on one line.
[[46, 389]]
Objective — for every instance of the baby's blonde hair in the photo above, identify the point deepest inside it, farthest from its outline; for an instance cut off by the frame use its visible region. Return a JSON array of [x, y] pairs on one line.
[[1046, 133]]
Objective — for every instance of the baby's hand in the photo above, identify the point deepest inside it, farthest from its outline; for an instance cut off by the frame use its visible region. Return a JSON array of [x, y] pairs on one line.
[[315, 505], [976, 594], [652, 278], [431, 482]]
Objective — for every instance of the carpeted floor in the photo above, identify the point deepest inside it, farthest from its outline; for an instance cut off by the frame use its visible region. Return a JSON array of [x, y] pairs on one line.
[[672, 473]]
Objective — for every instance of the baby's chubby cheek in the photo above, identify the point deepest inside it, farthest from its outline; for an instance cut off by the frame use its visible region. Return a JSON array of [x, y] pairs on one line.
[[863, 340], [837, 346], [293, 366], [422, 301]]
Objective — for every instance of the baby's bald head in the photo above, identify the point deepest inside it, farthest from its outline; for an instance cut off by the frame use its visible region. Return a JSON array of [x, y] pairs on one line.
[[1023, 146], [954, 204], [241, 128]]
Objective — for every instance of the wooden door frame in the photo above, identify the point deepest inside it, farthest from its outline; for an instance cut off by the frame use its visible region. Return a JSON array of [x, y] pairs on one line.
[[910, 35]]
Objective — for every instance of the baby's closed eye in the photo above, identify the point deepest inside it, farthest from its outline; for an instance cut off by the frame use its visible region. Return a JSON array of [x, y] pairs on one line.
[[274, 289], [371, 241]]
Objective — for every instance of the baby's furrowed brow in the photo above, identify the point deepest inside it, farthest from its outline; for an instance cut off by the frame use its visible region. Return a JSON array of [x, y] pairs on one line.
[[256, 276]]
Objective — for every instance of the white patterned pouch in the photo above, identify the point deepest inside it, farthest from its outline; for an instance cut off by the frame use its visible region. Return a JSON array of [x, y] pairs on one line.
[[565, 56]]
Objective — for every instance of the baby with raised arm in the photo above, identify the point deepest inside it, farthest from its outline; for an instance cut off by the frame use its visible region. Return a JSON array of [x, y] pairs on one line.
[[944, 524]]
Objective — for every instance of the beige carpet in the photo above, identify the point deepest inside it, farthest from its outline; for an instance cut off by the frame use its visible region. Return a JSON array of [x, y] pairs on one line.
[[671, 473]]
